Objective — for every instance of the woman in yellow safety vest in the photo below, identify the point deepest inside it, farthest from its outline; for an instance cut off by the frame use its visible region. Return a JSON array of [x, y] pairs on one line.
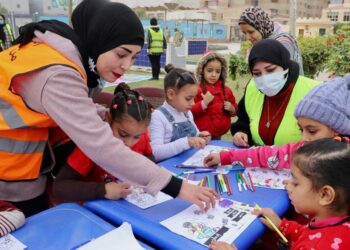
[[47, 80], [6, 35], [266, 111]]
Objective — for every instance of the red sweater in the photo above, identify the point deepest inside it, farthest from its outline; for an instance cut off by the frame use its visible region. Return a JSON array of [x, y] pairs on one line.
[[92, 172], [213, 119], [331, 233]]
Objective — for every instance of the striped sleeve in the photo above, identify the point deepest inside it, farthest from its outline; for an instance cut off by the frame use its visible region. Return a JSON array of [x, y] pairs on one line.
[[10, 218]]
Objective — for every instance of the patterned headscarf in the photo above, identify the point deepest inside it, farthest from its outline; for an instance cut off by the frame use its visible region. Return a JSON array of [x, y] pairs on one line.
[[258, 19]]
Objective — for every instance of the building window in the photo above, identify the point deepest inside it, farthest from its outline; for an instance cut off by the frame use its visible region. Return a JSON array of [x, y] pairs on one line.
[[18, 6], [255, 2], [346, 17], [322, 32], [274, 12], [332, 16]]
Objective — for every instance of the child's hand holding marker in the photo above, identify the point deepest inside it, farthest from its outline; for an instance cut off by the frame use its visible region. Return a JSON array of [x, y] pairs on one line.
[[270, 219], [212, 159], [205, 135]]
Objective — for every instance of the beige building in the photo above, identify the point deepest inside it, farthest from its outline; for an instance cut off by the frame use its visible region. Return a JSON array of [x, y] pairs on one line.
[[338, 11]]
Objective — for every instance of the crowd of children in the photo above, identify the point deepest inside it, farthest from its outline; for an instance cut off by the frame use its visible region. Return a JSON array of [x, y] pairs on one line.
[[318, 162]]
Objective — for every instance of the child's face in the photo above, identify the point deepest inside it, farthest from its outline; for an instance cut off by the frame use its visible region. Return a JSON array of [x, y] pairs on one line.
[[183, 99], [112, 64], [128, 130], [304, 199], [312, 130], [212, 72]]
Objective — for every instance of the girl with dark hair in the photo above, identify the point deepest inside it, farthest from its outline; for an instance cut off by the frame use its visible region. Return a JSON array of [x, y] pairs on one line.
[[214, 103], [81, 178], [172, 127], [320, 189], [47, 79]]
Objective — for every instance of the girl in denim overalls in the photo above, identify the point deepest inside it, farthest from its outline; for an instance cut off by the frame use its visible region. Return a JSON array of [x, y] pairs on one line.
[[172, 128]]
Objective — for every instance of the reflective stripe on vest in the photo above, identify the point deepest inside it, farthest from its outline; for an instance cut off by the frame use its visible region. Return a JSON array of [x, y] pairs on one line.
[[156, 45], [9, 31], [288, 130], [24, 133]]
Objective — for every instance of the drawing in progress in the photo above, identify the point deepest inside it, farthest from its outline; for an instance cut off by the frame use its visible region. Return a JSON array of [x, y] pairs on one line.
[[196, 160], [269, 178], [225, 222], [143, 200]]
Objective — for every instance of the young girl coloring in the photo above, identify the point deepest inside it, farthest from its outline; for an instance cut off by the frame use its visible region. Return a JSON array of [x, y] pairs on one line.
[[319, 188], [214, 102], [81, 178], [323, 113], [172, 127]]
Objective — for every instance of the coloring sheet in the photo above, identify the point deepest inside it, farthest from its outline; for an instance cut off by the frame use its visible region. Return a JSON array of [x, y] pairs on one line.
[[196, 160], [225, 222], [269, 178], [143, 200], [9, 242], [119, 238]]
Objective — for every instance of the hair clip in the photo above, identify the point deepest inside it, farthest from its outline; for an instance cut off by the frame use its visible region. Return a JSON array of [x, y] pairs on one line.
[[342, 139], [115, 106], [128, 102], [140, 98]]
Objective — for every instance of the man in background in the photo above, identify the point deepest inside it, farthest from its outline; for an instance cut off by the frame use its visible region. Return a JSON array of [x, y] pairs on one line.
[[156, 46], [6, 35]]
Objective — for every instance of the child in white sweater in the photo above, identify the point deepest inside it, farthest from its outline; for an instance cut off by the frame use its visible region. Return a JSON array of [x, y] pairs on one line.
[[172, 128]]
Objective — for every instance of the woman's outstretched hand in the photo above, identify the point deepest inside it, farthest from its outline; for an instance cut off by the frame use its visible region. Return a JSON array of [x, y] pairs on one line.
[[203, 197]]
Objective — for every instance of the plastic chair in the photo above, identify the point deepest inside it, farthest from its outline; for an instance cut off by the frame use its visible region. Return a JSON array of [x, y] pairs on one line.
[[154, 95]]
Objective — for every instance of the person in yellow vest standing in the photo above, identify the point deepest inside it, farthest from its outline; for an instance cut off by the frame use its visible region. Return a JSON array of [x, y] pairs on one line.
[[266, 111], [45, 82], [156, 46], [6, 34]]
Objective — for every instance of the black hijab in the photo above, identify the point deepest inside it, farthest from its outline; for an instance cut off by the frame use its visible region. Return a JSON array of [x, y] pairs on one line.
[[272, 51], [98, 26]]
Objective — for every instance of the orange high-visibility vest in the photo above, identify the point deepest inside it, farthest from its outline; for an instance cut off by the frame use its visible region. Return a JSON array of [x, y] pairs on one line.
[[24, 133]]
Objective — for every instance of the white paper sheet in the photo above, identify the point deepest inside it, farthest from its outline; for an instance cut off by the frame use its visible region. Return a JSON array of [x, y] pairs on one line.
[[119, 238], [268, 178], [143, 200], [225, 222], [9, 242], [197, 158]]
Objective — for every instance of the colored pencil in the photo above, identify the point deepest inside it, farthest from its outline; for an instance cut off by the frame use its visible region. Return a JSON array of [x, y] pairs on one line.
[[251, 181], [216, 185], [223, 185], [245, 184], [238, 183], [228, 184], [208, 181], [273, 225], [248, 181], [180, 174], [196, 171]]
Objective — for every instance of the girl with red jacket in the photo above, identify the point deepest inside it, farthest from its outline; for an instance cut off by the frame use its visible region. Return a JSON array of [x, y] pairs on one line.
[[214, 102]]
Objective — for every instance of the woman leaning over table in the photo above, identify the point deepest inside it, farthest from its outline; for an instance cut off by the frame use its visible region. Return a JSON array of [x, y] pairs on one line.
[[45, 83]]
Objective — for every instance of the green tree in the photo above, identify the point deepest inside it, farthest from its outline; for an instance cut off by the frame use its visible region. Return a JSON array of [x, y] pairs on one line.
[[315, 53], [339, 57]]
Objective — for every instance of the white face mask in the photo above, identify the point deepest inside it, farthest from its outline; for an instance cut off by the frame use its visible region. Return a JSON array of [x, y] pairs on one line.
[[272, 83]]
